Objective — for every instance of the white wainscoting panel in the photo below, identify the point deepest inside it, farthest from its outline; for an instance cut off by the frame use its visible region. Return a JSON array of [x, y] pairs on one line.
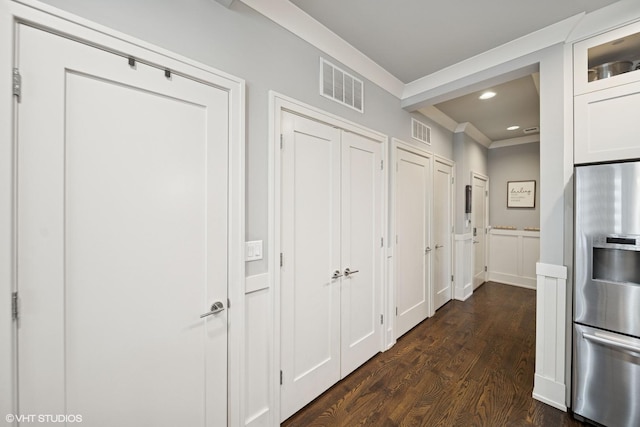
[[258, 355], [513, 255], [551, 326], [463, 266]]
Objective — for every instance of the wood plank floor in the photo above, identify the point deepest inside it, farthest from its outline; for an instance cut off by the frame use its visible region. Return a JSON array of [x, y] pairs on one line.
[[471, 364]]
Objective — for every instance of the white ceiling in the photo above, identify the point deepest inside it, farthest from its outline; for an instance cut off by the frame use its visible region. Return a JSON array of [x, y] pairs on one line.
[[414, 38], [516, 103]]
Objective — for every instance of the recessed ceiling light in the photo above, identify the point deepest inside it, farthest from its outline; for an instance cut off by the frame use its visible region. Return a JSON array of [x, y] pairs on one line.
[[513, 128], [487, 95]]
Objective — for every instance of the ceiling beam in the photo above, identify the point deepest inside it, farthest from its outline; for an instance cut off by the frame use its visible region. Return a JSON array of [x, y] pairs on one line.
[[513, 60]]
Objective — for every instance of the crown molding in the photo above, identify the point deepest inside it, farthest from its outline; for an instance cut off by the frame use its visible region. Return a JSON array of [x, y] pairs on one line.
[[294, 19], [527, 139], [472, 132]]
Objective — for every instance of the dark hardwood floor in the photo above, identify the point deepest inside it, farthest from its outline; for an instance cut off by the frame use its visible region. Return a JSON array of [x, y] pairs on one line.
[[471, 364]]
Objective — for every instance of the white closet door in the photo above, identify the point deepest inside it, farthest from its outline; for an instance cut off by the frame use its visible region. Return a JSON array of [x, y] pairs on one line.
[[122, 239], [479, 224], [310, 298], [413, 254], [442, 209], [361, 250]]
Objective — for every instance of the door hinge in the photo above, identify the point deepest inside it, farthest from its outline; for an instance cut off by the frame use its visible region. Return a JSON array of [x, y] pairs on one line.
[[14, 305], [453, 180], [281, 141], [382, 242], [228, 303], [381, 164], [382, 319], [17, 83], [280, 377], [486, 193], [281, 259], [396, 311], [452, 278], [485, 268]]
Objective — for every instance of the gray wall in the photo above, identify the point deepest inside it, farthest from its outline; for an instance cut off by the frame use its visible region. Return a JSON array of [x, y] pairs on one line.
[[515, 163], [244, 43], [470, 156]]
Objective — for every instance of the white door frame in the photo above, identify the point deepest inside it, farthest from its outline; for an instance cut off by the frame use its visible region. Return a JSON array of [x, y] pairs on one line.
[[55, 20], [484, 226], [277, 104], [398, 144], [449, 162]]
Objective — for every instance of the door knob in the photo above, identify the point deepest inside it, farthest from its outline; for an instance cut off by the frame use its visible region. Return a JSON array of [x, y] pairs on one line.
[[216, 307], [336, 275], [427, 250], [348, 272]]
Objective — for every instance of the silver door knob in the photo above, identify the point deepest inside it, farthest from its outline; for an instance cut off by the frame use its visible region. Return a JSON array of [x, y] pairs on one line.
[[427, 250], [216, 307], [336, 275], [348, 272], [439, 246]]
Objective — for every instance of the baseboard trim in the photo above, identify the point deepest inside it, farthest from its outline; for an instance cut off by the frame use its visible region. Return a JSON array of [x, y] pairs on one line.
[[549, 392], [509, 279]]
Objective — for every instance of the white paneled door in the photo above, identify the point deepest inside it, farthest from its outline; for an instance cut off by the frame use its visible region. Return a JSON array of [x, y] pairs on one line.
[[122, 239], [331, 226], [412, 250], [442, 232], [361, 289], [479, 196]]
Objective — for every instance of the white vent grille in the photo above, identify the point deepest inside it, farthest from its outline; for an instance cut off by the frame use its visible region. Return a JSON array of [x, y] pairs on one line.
[[420, 131], [341, 86]]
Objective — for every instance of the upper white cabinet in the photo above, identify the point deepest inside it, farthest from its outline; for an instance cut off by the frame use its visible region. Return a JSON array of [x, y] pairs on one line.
[[607, 96], [607, 60]]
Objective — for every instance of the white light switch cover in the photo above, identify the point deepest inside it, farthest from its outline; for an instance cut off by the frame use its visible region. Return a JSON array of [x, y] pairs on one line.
[[253, 250]]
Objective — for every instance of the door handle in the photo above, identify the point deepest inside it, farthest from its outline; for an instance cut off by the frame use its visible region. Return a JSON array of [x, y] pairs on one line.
[[216, 307], [336, 275], [348, 272], [439, 246], [611, 343], [476, 241], [427, 250]]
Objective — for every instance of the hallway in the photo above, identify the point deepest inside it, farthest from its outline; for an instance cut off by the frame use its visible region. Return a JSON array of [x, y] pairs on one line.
[[471, 364]]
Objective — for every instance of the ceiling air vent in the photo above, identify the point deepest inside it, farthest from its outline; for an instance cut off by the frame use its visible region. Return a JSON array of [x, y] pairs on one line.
[[341, 86], [420, 131], [534, 129]]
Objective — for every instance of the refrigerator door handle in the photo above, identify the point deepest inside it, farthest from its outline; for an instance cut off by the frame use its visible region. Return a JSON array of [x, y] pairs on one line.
[[618, 344]]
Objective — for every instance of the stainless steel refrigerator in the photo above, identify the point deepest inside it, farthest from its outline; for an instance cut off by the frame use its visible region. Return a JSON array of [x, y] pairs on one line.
[[606, 333]]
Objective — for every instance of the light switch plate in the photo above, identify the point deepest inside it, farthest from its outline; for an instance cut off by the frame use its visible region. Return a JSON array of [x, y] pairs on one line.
[[253, 250]]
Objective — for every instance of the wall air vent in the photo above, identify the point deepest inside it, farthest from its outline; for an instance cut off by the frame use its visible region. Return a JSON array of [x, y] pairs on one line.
[[534, 129], [420, 131], [341, 86]]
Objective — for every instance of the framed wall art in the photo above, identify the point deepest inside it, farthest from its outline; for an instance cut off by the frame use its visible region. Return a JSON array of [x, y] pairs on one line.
[[521, 194]]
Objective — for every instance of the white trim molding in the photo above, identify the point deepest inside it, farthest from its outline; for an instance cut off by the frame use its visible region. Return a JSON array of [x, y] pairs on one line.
[[513, 255], [551, 330], [463, 276]]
